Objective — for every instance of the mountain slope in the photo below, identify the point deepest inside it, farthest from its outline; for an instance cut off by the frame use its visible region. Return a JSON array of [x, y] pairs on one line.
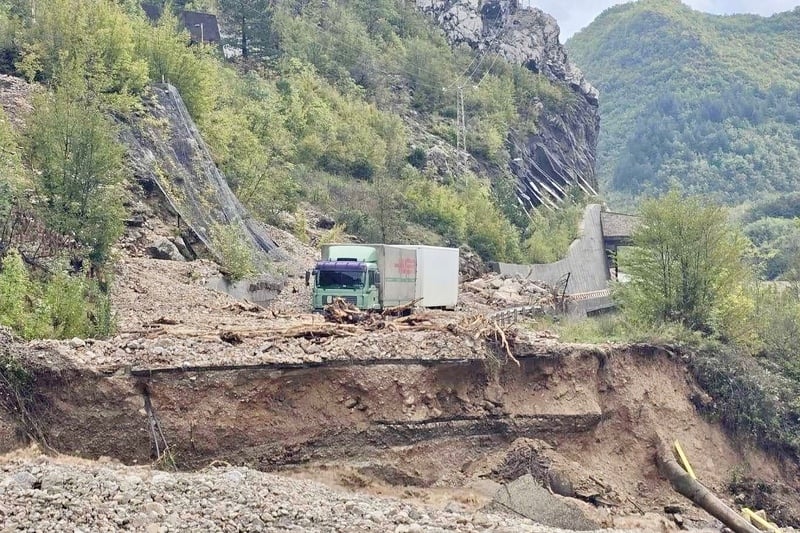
[[704, 101], [361, 108]]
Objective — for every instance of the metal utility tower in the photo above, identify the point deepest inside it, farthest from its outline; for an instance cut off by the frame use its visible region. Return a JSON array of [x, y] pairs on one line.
[[461, 124]]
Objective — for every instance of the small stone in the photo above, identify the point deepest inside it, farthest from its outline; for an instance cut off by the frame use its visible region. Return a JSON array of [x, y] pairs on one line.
[[350, 403], [161, 478], [155, 508], [24, 479], [136, 221], [234, 476], [77, 343]]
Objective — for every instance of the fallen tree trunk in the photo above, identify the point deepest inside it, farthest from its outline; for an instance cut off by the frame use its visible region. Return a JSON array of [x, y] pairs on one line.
[[683, 483]]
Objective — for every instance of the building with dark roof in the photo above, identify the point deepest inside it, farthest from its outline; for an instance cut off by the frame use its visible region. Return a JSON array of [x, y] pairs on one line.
[[202, 27]]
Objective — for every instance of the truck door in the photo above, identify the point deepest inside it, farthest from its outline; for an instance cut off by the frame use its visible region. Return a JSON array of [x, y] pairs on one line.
[[398, 276]]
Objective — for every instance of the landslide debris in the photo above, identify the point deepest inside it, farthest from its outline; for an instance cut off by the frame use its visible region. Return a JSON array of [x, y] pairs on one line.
[[168, 316], [45, 494]]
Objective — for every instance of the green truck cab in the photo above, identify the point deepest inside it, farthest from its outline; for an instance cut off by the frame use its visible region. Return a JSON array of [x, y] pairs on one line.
[[355, 282]]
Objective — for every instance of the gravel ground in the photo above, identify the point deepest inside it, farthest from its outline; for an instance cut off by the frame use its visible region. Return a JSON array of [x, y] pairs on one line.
[[66, 494], [168, 317]]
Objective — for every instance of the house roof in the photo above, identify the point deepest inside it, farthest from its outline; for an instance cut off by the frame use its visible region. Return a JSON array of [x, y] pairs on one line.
[[208, 32], [191, 20], [152, 11]]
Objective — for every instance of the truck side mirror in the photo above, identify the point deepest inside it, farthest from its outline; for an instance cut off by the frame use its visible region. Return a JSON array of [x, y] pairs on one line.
[[308, 277], [377, 279]]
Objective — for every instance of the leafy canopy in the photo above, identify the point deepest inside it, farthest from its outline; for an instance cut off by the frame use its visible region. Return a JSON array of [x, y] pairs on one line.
[[686, 265], [79, 167]]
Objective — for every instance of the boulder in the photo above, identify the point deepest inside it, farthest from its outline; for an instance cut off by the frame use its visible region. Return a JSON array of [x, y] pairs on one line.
[[183, 249], [163, 248], [526, 497]]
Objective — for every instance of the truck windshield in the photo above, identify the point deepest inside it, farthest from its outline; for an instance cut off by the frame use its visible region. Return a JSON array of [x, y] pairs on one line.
[[331, 279]]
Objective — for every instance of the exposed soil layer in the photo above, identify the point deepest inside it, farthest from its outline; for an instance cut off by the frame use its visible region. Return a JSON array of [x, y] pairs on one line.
[[583, 422]]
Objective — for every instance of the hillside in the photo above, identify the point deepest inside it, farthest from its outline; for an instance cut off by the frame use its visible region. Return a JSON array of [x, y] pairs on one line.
[[135, 396], [706, 102], [391, 119]]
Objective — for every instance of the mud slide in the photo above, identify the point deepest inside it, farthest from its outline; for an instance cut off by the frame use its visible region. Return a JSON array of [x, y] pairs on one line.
[[581, 421]]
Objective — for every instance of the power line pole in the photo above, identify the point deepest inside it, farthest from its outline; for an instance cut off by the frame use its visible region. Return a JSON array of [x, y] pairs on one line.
[[461, 125]]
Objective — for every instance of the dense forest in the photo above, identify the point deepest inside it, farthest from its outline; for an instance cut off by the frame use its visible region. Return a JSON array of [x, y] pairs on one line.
[[704, 103]]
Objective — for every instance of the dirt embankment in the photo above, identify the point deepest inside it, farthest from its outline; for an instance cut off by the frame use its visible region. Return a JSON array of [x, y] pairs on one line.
[[581, 420]]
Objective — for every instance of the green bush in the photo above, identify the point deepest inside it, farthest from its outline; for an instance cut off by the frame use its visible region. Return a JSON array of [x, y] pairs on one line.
[[777, 321], [550, 232], [56, 306], [749, 399], [93, 38], [418, 158], [467, 216], [235, 256], [14, 286], [192, 70]]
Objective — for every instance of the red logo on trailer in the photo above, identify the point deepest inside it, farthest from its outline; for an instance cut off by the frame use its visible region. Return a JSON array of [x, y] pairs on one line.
[[406, 267]]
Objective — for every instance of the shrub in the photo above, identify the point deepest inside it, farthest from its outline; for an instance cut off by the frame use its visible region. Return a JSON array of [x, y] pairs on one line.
[[418, 158], [167, 58], [749, 399], [57, 306], [93, 38], [14, 285], [234, 253], [550, 233]]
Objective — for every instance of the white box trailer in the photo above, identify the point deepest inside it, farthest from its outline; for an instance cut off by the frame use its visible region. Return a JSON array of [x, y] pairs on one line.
[[437, 276], [403, 273]]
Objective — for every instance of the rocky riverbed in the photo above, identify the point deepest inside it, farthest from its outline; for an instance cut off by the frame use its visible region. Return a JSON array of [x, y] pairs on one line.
[[67, 494]]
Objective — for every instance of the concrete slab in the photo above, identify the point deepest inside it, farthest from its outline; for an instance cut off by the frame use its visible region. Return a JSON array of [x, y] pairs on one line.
[[526, 497]]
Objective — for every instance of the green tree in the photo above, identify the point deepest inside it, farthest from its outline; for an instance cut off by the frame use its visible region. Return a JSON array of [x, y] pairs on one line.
[[168, 59], [78, 167], [251, 23], [91, 37], [14, 285], [686, 265]]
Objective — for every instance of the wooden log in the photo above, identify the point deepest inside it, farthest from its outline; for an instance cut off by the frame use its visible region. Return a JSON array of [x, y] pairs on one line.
[[683, 483]]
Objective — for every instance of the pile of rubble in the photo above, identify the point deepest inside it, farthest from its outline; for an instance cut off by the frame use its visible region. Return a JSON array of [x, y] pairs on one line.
[[499, 290], [67, 494]]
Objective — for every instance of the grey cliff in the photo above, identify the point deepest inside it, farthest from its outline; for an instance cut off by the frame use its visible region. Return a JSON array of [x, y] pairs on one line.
[[562, 153]]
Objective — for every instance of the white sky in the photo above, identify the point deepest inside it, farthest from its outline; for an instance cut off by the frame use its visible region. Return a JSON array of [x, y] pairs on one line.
[[573, 15]]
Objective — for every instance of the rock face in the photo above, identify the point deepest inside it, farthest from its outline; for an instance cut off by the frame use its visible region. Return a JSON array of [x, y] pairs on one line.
[[562, 153]]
